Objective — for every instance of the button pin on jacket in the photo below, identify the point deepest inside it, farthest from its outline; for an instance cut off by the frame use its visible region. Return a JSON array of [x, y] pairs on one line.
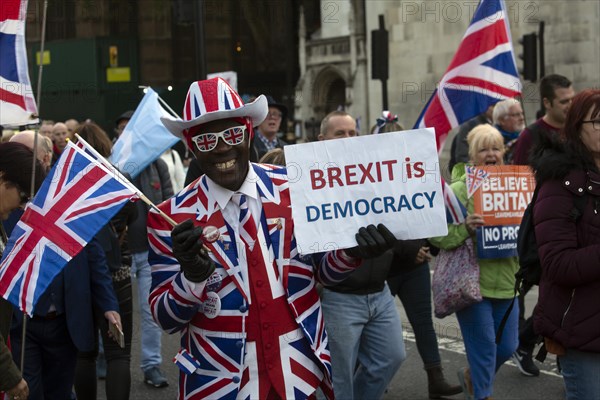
[[212, 305], [211, 234]]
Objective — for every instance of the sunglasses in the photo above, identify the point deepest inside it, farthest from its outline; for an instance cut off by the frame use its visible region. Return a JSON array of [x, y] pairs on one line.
[[208, 141]]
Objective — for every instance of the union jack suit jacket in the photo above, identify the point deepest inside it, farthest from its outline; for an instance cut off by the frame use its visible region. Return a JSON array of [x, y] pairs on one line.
[[217, 344]]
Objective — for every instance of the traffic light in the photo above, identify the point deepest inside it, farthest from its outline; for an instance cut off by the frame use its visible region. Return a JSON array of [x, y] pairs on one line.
[[379, 54], [529, 57]]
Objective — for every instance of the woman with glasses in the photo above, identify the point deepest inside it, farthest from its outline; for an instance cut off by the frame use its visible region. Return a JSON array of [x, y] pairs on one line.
[[568, 311], [266, 137], [16, 168]]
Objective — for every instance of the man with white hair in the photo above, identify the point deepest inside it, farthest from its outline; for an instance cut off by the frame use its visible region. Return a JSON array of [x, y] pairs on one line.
[[509, 119], [44, 146]]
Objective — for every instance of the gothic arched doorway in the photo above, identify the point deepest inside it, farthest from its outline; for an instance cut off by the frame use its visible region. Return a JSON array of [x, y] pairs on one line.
[[329, 92]]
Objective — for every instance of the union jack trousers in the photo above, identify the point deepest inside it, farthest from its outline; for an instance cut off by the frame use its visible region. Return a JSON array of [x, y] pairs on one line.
[[214, 338]]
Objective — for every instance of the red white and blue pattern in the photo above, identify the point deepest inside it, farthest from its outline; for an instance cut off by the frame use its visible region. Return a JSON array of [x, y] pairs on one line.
[[17, 103], [205, 142], [78, 197], [247, 225], [231, 136], [456, 213], [219, 344], [475, 178], [186, 362], [209, 96], [482, 72]]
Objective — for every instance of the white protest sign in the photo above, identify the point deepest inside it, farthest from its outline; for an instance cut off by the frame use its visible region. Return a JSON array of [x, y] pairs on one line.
[[229, 76], [338, 186]]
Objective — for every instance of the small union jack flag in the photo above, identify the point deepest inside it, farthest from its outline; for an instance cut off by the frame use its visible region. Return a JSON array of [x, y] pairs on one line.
[[78, 197], [482, 72], [475, 178], [456, 212]]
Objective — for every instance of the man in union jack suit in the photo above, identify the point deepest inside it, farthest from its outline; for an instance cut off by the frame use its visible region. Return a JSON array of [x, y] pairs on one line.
[[229, 276]]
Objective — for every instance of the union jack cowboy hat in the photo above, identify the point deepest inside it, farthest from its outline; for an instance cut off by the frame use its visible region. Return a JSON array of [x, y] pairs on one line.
[[211, 100]]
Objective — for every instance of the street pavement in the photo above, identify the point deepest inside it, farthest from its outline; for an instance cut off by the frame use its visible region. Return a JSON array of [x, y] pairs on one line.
[[410, 383]]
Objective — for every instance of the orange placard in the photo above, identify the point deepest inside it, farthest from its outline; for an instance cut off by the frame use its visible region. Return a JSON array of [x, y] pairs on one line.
[[503, 196]]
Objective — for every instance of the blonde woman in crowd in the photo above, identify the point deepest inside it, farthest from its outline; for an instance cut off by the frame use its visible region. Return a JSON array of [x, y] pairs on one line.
[[479, 322]]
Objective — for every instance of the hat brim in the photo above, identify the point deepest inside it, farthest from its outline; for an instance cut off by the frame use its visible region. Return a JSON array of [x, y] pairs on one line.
[[280, 107], [257, 111]]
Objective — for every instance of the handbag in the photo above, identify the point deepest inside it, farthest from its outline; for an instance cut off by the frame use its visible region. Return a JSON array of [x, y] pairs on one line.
[[455, 282]]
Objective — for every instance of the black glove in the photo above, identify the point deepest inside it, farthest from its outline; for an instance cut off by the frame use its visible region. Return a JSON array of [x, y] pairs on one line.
[[372, 242], [187, 249]]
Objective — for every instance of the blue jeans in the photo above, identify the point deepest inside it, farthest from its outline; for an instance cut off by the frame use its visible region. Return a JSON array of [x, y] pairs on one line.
[[478, 325], [151, 332], [364, 329], [413, 288], [581, 373]]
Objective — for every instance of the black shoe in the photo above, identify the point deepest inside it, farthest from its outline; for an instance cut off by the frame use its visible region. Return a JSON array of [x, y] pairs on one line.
[[154, 377], [524, 361]]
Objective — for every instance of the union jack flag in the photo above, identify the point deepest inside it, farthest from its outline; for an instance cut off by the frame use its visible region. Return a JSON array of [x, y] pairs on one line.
[[482, 72], [78, 197], [16, 96], [475, 178]]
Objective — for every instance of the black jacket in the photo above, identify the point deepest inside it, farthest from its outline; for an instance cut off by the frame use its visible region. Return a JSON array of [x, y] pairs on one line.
[[370, 277]]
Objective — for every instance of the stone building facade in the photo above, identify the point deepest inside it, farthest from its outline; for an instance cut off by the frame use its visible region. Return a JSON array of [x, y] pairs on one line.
[[423, 37]]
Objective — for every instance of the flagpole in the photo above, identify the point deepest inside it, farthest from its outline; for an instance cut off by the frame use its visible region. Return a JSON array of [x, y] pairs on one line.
[[41, 67], [124, 180], [39, 89], [35, 146]]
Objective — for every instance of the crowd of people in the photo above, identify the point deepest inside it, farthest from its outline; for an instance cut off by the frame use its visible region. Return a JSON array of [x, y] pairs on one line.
[[259, 320]]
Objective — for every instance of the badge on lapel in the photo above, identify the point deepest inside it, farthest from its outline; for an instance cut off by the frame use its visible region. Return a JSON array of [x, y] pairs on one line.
[[212, 305]]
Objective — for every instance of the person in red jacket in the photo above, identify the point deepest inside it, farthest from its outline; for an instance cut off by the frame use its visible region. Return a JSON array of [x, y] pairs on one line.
[[568, 312]]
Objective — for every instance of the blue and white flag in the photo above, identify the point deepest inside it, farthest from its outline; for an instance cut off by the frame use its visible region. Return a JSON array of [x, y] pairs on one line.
[[144, 139]]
